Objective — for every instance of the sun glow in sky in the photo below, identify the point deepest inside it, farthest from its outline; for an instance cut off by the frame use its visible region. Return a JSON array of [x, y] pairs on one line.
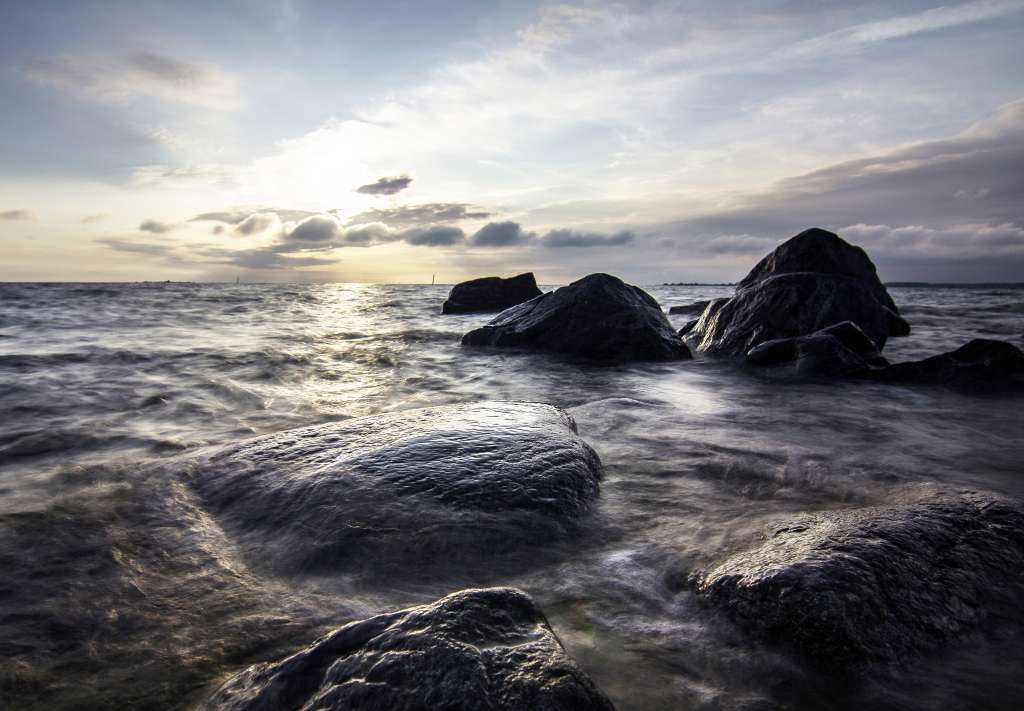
[[661, 141]]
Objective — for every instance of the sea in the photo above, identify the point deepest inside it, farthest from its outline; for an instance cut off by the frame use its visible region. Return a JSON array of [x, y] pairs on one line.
[[118, 590]]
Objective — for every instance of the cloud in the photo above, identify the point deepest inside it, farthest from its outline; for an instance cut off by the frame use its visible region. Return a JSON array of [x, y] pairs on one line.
[[15, 215], [571, 238], [369, 234], [93, 219], [261, 259], [316, 230], [256, 222], [157, 228], [500, 234], [217, 229], [386, 186], [135, 247], [427, 213], [437, 236], [237, 215], [120, 80]]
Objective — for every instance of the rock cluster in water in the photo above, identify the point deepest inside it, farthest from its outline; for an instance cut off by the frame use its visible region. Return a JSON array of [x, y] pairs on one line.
[[474, 649], [880, 583], [810, 282], [599, 317], [490, 294], [841, 349], [979, 364], [413, 490]]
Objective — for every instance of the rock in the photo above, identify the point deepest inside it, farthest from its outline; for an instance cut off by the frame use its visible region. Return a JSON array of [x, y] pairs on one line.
[[490, 294], [406, 491], [695, 308], [688, 326], [980, 363], [881, 583], [840, 349], [808, 283], [598, 317], [474, 649]]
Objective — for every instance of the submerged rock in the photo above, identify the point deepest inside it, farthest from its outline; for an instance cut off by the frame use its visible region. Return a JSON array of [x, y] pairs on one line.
[[418, 489], [979, 363], [490, 294], [840, 349], [695, 308], [879, 583], [474, 649], [598, 317], [808, 283]]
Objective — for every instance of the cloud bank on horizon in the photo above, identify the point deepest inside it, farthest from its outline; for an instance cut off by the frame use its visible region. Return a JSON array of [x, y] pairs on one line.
[[659, 141]]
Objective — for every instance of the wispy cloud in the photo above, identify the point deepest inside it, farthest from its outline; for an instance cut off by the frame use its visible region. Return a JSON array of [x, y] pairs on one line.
[[15, 215], [122, 79], [155, 227]]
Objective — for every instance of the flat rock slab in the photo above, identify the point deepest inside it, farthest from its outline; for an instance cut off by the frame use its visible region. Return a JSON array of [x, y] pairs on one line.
[[474, 649], [599, 318], [490, 294], [406, 489], [977, 365], [881, 583]]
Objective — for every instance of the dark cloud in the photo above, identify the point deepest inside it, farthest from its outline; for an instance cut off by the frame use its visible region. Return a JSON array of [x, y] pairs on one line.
[[437, 236], [570, 238], [500, 234], [15, 215], [386, 186], [256, 222], [316, 230], [424, 214], [134, 247], [157, 228], [217, 229]]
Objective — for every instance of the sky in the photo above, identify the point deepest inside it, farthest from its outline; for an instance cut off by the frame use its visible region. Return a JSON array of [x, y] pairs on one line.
[[324, 141]]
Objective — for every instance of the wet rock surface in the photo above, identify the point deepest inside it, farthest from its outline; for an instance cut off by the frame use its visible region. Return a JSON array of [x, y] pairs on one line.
[[695, 308], [881, 583], [599, 317], [840, 349], [810, 282], [490, 294], [401, 492], [474, 649], [981, 363]]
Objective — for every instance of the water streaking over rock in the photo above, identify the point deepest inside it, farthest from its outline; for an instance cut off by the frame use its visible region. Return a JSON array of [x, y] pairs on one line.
[[132, 581], [406, 493]]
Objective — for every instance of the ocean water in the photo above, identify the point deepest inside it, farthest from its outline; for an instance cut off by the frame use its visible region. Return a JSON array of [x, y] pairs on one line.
[[120, 591]]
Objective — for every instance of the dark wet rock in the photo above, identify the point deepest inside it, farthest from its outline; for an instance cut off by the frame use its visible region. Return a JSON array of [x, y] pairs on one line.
[[840, 349], [406, 491], [695, 308], [474, 649], [598, 317], [880, 583], [688, 326], [490, 294], [808, 283], [980, 363]]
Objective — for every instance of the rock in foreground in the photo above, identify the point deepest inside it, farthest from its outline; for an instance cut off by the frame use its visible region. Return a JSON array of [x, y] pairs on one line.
[[405, 491], [880, 583], [490, 294], [808, 283], [474, 649], [599, 317]]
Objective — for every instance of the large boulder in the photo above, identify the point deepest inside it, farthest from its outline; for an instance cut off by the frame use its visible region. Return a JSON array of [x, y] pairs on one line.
[[490, 294], [981, 363], [808, 283], [598, 317], [840, 349], [880, 583], [474, 649], [403, 492]]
